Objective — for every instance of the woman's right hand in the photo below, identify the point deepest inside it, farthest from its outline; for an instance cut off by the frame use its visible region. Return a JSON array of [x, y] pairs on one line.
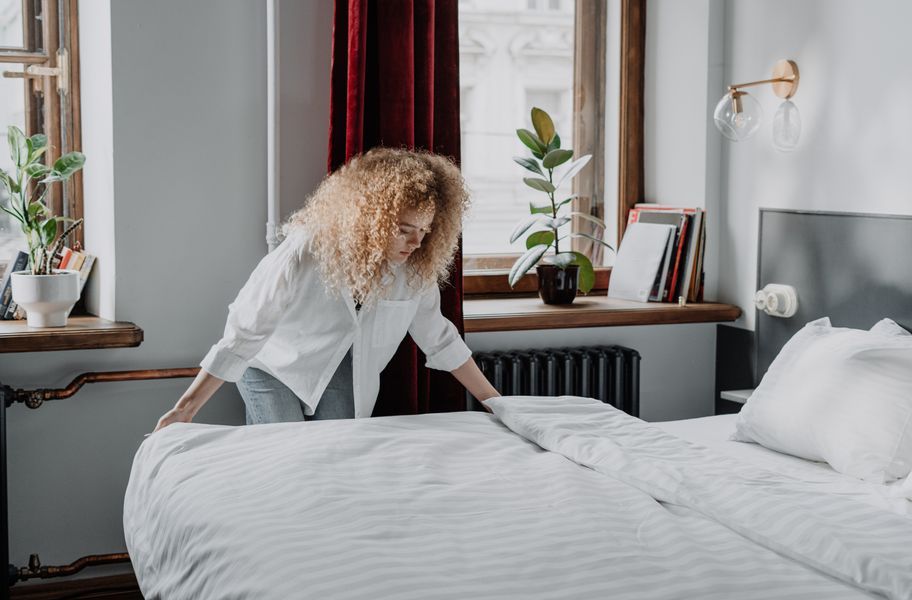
[[175, 415], [193, 399]]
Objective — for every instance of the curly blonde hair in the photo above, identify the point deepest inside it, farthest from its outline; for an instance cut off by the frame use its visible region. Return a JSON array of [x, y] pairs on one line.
[[352, 218]]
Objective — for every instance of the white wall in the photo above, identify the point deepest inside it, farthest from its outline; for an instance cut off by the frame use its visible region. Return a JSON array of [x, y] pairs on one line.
[[855, 152], [683, 70], [188, 168], [305, 38]]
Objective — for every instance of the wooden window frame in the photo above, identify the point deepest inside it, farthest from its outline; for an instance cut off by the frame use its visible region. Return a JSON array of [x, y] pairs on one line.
[[54, 45], [487, 274]]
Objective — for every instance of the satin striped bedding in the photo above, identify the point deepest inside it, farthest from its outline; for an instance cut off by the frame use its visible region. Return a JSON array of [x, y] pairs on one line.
[[585, 502]]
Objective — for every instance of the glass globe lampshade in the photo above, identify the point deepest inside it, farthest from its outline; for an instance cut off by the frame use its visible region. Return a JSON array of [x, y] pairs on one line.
[[738, 115], [786, 127]]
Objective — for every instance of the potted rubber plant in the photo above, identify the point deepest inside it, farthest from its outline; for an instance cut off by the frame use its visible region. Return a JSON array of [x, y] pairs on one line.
[[46, 294], [566, 270]]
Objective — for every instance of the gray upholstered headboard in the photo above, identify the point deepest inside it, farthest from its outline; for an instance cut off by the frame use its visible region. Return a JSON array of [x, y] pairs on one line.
[[854, 268]]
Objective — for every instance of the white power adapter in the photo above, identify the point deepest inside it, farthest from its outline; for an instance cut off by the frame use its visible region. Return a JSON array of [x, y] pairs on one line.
[[777, 300]]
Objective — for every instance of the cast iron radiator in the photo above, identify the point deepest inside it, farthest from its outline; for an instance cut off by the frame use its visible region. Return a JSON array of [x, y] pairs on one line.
[[608, 373]]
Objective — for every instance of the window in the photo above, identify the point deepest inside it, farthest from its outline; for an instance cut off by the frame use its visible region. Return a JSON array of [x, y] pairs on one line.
[[39, 92], [513, 55], [516, 54]]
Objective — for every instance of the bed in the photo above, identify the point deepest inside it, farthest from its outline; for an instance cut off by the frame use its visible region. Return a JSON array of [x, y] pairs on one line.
[[547, 498]]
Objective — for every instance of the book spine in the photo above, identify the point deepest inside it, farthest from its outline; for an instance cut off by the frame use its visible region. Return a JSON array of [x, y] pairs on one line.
[[682, 242], [76, 260], [64, 258], [84, 271], [6, 286]]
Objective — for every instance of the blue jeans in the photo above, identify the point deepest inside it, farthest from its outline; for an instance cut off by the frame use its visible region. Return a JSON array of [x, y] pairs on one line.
[[268, 400]]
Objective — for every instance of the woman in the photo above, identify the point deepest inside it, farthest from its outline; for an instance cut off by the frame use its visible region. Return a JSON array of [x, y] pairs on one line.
[[322, 315]]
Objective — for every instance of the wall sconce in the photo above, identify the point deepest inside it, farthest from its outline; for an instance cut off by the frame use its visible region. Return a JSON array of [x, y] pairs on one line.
[[738, 114]]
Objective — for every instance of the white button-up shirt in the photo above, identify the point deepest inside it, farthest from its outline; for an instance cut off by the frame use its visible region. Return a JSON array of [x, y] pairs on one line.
[[285, 322]]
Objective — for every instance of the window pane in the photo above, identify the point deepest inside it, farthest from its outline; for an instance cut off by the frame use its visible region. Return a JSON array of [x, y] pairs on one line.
[[12, 112], [514, 54], [11, 32]]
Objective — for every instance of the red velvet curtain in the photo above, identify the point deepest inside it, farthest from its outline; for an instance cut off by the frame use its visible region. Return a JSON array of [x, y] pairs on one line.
[[395, 82]]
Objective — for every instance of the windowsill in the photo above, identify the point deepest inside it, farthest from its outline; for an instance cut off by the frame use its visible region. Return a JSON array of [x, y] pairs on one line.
[[81, 332], [597, 310]]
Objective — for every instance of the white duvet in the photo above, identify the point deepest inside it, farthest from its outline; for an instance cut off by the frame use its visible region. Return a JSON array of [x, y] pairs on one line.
[[586, 502]]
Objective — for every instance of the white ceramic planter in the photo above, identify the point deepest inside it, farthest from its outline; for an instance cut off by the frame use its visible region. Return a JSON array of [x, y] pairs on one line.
[[47, 299]]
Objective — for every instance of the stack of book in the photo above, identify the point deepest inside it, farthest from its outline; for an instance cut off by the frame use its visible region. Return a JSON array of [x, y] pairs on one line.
[[681, 273], [72, 260]]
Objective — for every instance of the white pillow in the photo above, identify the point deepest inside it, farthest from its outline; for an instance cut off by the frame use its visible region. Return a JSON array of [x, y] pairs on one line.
[[841, 396], [889, 327]]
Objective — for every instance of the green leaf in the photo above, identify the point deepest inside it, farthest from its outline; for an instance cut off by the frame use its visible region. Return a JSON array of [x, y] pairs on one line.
[[589, 218], [555, 143], [526, 262], [523, 226], [532, 142], [555, 223], [586, 276], [37, 145], [69, 163], [541, 185], [563, 260], [574, 168], [48, 231], [529, 163], [34, 209], [565, 201], [591, 238], [38, 141], [556, 157], [37, 170], [540, 210], [540, 237], [543, 125], [18, 146]]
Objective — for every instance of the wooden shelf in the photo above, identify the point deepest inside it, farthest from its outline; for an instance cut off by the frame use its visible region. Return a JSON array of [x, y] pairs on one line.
[[81, 333], [517, 314]]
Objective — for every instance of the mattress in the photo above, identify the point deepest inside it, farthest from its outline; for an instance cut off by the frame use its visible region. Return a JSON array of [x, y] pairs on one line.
[[549, 498]]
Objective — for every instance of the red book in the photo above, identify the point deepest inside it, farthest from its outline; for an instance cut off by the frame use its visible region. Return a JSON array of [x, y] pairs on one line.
[[65, 255]]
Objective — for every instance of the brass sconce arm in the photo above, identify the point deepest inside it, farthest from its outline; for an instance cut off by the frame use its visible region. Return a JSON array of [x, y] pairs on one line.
[[785, 80]]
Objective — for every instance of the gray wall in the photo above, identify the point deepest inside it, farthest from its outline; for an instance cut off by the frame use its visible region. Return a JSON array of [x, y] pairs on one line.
[[183, 154]]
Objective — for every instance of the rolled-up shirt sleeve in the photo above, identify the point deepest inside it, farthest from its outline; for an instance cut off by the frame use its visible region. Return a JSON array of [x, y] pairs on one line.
[[437, 337], [256, 311]]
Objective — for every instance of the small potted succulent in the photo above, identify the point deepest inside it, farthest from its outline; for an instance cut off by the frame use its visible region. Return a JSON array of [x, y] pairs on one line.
[[567, 270], [46, 294]]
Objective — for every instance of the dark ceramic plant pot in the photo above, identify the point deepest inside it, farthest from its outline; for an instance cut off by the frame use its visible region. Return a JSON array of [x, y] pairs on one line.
[[555, 285]]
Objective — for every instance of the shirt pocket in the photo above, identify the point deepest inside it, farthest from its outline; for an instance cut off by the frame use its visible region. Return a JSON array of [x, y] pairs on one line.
[[391, 321]]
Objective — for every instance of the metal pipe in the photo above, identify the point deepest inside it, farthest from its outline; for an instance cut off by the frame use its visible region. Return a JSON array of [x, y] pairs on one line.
[[9, 578], [34, 570], [272, 132], [35, 398]]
